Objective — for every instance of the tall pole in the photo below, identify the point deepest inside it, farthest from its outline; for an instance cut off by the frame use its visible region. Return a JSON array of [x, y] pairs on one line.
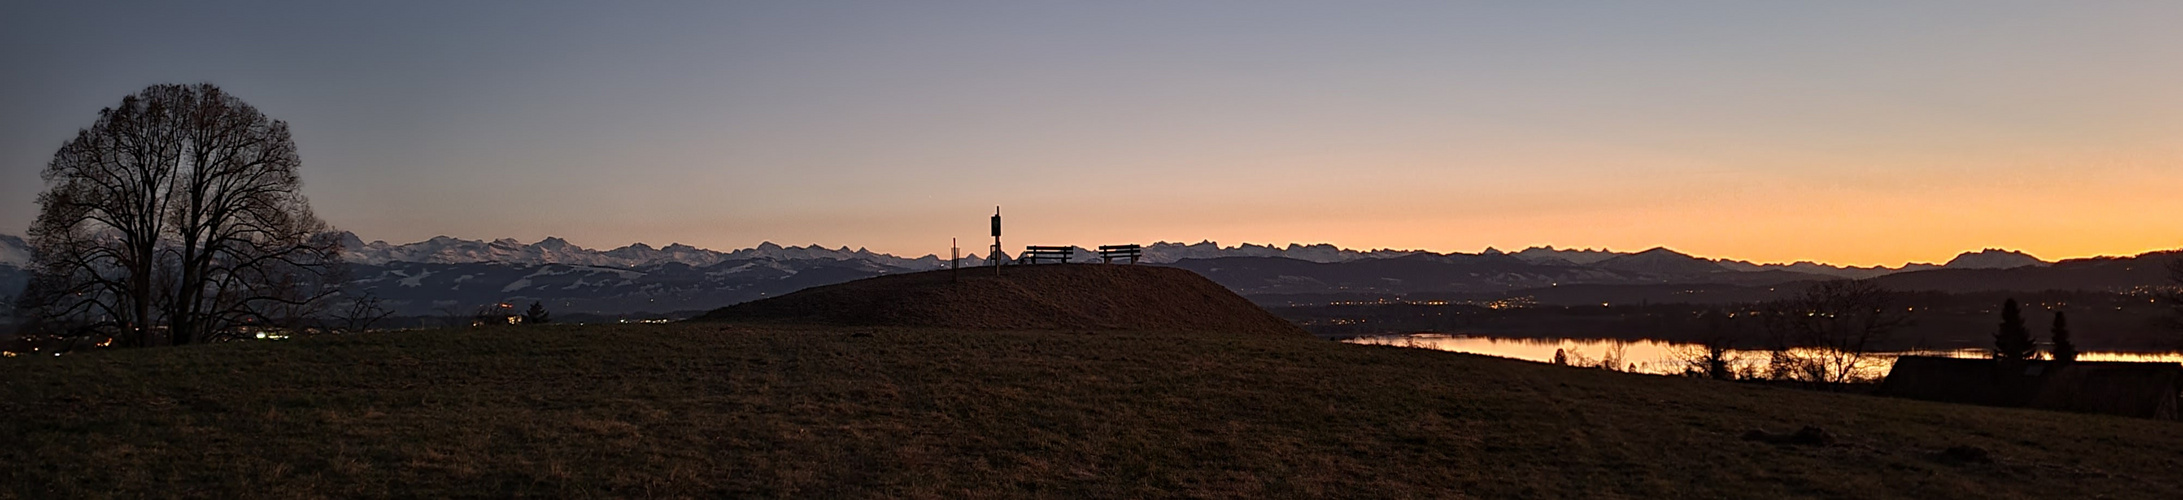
[[994, 256], [954, 260]]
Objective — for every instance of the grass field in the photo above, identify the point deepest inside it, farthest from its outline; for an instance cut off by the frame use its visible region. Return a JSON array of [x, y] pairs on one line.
[[784, 411]]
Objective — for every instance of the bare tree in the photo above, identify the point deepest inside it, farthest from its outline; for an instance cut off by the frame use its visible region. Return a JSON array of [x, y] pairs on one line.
[[10, 323], [179, 210], [1713, 355], [361, 312], [451, 315], [1826, 334]]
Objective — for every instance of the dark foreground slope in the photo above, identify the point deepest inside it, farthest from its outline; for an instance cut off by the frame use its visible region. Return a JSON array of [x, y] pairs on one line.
[[726, 410], [1043, 297]]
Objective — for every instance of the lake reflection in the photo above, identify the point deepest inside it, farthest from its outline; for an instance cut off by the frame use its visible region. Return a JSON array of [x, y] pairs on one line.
[[1657, 357]]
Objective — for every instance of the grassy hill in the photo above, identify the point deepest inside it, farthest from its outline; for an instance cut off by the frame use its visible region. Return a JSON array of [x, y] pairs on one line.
[[776, 410], [1042, 297]]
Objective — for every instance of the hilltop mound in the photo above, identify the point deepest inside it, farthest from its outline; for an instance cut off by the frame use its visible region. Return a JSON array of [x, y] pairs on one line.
[[1042, 297]]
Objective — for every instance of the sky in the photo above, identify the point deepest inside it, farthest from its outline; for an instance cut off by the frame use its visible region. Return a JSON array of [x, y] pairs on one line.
[[1855, 133]]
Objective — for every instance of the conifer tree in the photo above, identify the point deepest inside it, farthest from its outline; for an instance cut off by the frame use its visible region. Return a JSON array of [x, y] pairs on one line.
[[2013, 342], [536, 315], [2065, 349]]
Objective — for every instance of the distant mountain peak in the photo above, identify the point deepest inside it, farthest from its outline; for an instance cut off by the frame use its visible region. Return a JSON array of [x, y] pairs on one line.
[[1993, 258], [14, 251], [1549, 254], [555, 250], [1663, 262]]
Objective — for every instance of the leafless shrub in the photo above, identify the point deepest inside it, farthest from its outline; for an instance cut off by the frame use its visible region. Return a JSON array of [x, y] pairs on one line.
[[1616, 357]]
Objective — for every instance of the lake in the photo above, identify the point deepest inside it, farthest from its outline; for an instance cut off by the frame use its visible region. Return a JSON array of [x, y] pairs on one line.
[[1657, 357]]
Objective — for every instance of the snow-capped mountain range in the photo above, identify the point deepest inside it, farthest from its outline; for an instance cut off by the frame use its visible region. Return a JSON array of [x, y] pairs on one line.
[[448, 250], [14, 251], [445, 273]]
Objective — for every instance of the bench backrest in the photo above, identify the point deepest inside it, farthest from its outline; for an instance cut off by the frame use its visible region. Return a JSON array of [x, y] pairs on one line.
[[1108, 253], [1033, 254]]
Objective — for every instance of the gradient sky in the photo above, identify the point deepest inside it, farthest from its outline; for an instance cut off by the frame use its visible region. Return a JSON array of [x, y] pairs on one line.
[[1847, 132]]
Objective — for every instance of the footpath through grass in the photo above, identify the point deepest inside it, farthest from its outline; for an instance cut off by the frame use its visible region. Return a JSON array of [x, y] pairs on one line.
[[712, 409]]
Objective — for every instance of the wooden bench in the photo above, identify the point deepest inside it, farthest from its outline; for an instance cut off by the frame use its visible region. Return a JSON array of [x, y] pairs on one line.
[[1110, 253], [1033, 254]]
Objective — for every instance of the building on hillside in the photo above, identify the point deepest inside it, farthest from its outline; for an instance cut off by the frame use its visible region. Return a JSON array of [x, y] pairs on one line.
[[2144, 390], [495, 314]]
